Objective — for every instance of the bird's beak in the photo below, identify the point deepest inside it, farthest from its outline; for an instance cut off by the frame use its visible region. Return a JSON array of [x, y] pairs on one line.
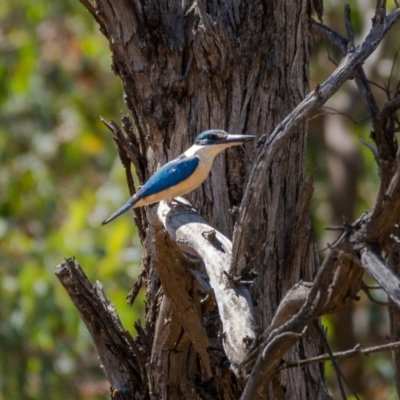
[[236, 139], [117, 213]]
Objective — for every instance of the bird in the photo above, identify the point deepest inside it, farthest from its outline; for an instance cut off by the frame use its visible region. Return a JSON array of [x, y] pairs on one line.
[[183, 174]]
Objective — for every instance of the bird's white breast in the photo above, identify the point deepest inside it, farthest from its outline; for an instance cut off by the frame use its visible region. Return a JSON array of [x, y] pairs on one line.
[[206, 155]]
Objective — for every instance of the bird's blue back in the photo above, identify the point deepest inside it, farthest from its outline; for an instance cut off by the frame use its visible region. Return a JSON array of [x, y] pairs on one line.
[[169, 175]]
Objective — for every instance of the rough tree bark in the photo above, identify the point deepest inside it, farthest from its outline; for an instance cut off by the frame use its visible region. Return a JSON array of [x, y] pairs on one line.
[[243, 67], [189, 67]]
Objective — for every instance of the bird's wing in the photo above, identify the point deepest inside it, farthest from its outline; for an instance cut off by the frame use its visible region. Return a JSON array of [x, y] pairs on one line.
[[169, 175]]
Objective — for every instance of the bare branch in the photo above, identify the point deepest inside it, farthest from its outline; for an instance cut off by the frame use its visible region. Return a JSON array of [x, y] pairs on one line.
[[303, 298], [373, 149], [366, 289], [93, 10], [380, 13], [359, 74], [282, 132], [385, 214], [377, 267], [387, 110], [280, 335], [129, 152], [338, 372], [341, 354], [196, 237], [122, 362], [131, 296], [392, 69], [394, 314], [131, 149], [337, 112], [349, 28], [384, 141], [89, 6]]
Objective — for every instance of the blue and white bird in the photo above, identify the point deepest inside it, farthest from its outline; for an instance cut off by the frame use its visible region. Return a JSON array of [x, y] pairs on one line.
[[185, 173]]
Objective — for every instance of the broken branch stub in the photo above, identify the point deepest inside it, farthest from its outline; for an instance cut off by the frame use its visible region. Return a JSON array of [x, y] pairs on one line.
[[121, 358]]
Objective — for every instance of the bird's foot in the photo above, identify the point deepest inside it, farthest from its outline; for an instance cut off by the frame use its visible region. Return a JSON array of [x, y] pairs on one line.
[[180, 201]]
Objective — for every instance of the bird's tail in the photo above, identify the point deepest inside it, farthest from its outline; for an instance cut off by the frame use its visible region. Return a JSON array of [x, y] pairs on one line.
[[129, 204]]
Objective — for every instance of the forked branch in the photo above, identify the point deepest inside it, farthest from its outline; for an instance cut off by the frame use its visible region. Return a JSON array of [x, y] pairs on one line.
[[304, 303], [193, 234]]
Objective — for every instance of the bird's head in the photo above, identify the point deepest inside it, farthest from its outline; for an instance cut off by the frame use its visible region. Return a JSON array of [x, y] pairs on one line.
[[221, 139]]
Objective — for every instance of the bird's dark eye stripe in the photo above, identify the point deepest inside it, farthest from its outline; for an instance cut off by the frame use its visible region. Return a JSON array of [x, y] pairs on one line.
[[211, 137], [218, 136]]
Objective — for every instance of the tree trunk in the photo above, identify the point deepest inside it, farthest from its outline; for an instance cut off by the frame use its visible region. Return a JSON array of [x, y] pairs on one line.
[[243, 67], [188, 67]]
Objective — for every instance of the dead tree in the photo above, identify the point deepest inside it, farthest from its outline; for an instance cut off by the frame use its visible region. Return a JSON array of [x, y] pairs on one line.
[[230, 299]]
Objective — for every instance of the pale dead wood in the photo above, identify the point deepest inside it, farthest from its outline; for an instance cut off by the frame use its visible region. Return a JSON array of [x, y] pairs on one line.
[[195, 236]]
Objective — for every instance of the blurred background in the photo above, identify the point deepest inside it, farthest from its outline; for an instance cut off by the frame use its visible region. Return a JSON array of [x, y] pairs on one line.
[[346, 185], [60, 176]]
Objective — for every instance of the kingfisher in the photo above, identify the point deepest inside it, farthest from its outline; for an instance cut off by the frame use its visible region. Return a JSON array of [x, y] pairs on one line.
[[185, 173]]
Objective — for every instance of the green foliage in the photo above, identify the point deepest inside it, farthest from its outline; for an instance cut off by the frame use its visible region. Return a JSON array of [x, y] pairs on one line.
[[59, 179]]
